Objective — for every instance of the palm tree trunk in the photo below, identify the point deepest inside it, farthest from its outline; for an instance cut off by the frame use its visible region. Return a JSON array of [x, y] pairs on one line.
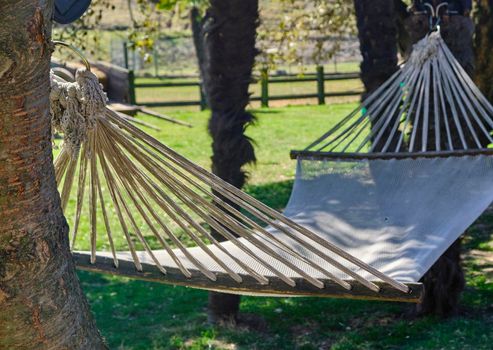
[[42, 305], [484, 47], [229, 55]]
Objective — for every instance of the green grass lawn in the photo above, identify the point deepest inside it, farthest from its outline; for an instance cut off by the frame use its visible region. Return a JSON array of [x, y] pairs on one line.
[[142, 315]]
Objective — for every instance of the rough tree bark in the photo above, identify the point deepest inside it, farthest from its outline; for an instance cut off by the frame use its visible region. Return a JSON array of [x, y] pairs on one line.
[[229, 55], [483, 46], [42, 304]]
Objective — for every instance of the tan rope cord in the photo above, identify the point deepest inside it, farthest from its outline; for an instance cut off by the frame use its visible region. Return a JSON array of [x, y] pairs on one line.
[[80, 193], [227, 220], [443, 96], [233, 193], [178, 192]]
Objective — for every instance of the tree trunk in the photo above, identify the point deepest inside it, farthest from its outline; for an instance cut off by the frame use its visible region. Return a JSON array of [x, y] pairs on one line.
[[196, 24], [42, 305], [444, 282], [484, 47], [229, 56], [377, 33], [377, 22]]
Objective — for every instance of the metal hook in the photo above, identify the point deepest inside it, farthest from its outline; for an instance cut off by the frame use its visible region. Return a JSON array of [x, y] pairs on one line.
[[75, 50], [432, 9], [435, 18]]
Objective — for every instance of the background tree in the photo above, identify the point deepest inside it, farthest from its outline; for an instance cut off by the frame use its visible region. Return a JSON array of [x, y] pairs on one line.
[[229, 56], [42, 304]]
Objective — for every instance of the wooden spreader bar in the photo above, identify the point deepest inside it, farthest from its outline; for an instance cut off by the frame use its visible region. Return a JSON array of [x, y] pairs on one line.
[[395, 155], [249, 285]]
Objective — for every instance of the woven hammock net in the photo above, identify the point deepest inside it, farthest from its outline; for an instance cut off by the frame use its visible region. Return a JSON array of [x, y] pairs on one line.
[[348, 221]]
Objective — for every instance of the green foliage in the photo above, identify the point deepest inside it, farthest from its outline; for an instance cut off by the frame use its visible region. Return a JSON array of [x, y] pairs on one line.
[[171, 4]]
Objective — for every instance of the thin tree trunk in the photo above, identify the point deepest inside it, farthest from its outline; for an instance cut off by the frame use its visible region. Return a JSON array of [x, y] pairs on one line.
[[229, 55], [484, 47], [196, 24], [41, 303]]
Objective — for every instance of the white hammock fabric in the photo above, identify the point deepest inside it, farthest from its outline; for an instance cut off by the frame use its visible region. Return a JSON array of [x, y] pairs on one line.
[[357, 221], [397, 215], [393, 214]]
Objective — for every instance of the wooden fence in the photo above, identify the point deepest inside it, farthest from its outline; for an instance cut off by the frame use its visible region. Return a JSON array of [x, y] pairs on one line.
[[265, 81]]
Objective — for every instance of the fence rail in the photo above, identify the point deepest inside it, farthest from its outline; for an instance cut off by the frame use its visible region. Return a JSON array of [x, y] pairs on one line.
[[265, 80]]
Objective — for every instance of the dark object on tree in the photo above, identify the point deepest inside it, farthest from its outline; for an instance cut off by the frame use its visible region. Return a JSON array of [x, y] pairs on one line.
[[483, 47], [68, 11], [229, 33], [461, 7]]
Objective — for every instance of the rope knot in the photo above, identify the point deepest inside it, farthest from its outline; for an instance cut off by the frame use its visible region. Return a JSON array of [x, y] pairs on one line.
[[425, 49], [74, 107]]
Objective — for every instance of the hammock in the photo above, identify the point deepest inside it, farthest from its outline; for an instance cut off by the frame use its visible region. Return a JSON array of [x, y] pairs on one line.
[[358, 225]]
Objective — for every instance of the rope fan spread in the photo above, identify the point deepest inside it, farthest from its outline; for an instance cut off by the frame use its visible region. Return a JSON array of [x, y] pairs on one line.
[[430, 106]]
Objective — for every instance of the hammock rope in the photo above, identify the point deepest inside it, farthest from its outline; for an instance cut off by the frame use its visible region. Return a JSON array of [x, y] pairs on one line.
[[429, 105]]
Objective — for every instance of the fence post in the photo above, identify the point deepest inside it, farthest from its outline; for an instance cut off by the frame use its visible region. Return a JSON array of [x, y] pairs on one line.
[[203, 101], [264, 83], [131, 87], [320, 85], [125, 54]]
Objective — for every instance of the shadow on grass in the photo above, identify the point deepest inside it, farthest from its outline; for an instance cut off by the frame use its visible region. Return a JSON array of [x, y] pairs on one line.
[[273, 194]]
